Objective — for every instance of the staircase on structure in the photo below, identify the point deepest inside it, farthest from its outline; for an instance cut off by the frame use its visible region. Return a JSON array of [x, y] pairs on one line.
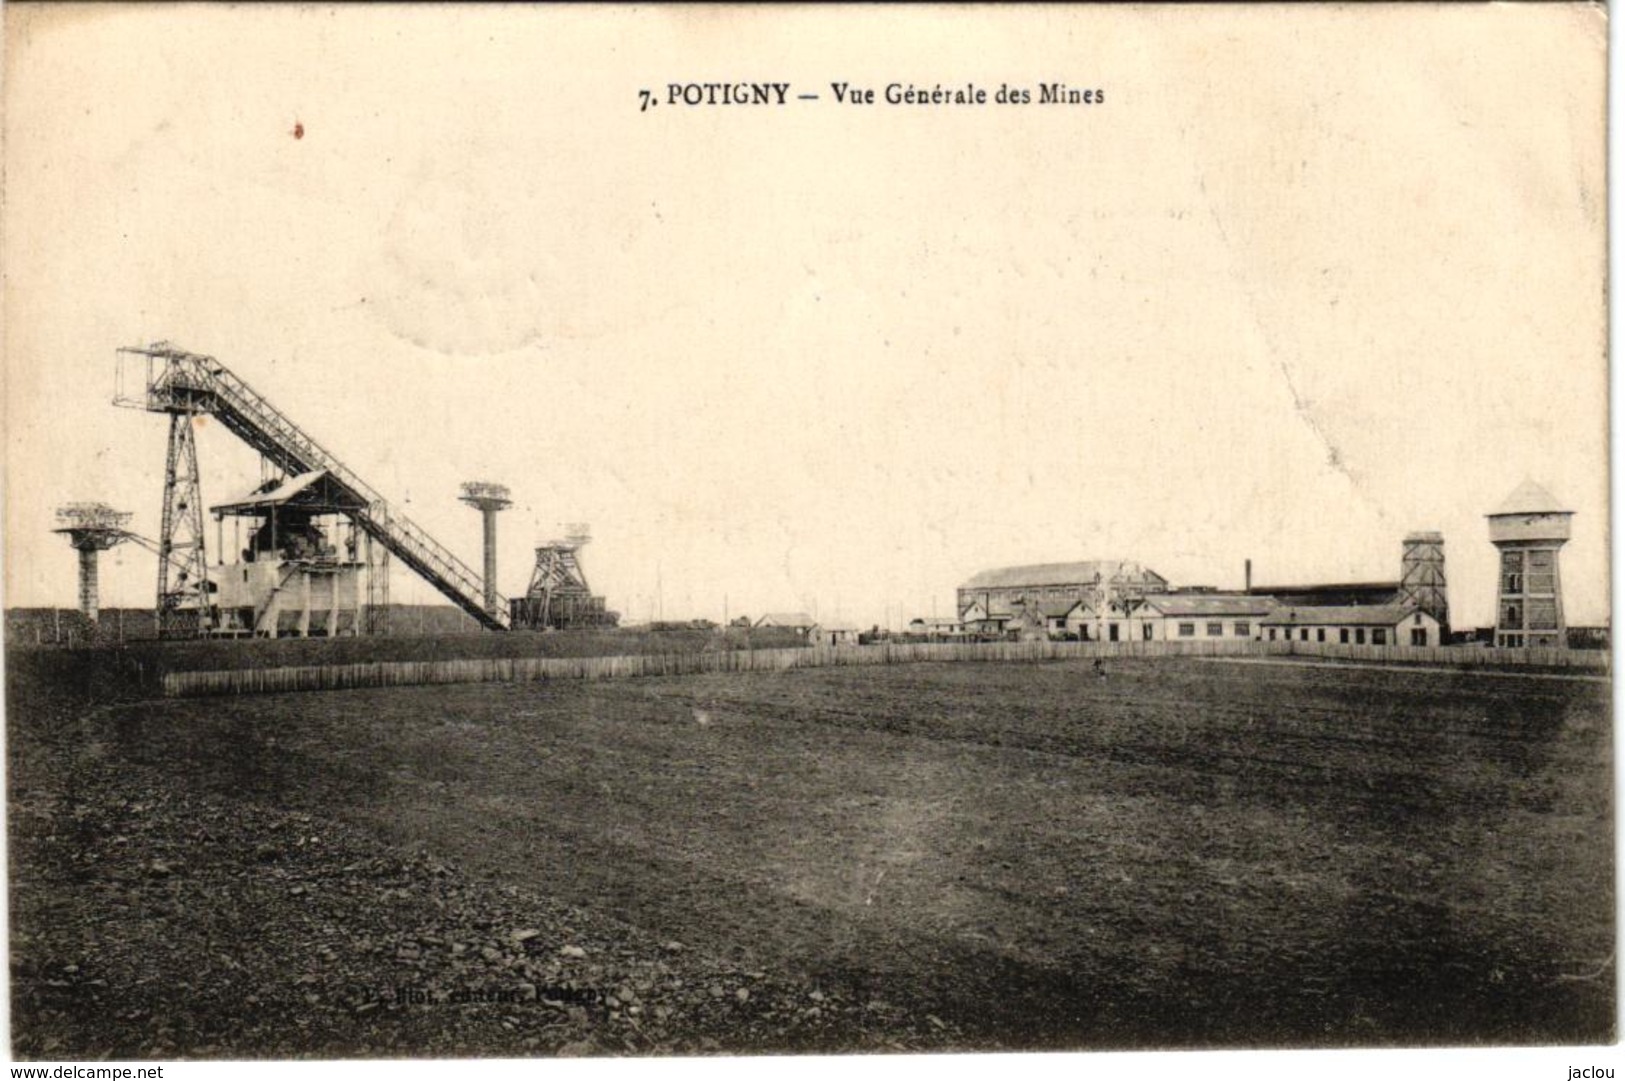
[[181, 382]]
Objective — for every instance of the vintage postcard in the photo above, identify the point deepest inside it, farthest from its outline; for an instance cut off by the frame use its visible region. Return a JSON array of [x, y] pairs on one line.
[[541, 531]]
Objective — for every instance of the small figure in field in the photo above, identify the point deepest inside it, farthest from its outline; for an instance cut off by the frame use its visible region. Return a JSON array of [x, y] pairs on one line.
[[1100, 669]]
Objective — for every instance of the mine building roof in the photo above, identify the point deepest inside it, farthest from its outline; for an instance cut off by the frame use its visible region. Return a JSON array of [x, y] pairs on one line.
[[1211, 604], [317, 491], [1330, 593], [1380, 615], [787, 619], [1082, 572]]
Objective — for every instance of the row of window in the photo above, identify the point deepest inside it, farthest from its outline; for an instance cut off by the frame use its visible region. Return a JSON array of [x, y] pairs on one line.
[[1379, 635], [1242, 629], [1214, 630]]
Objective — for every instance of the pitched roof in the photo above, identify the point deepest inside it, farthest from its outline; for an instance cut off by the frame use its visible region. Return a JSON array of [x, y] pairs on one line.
[[1530, 498], [290, 488], [1381, 615], [787, 619], [1210, 604], [1061, 574]]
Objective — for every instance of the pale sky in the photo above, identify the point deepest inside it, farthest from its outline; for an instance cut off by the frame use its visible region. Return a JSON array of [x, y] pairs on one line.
[[1308, 280]]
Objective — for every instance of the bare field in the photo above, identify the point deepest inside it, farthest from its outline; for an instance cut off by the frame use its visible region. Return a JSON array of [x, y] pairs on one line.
[[1183, 853]]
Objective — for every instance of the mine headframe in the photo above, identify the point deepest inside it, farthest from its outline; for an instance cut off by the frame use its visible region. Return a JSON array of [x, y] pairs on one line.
[[558, 597]]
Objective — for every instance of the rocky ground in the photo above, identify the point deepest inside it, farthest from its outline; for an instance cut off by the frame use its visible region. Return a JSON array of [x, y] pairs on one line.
[[151, 922], [934, 857]]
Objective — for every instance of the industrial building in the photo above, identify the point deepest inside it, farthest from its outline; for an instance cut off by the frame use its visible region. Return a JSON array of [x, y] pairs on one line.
[[800, 622], [290, 577], [1356, 624], [996, 596], [1123, 601], [312, 545], [1529, 529], [1185, 617], [319, 538], [1157, 617], [1326, 594], [834, 634]]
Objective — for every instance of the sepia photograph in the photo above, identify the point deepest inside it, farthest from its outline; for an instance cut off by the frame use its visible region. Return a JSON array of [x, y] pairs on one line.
[[625, 532]]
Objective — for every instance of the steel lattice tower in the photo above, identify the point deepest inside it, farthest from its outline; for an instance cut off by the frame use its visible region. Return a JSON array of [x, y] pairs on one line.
[[1422, 581], [183, 609], [377, 587], [162, 378], [558, 596]]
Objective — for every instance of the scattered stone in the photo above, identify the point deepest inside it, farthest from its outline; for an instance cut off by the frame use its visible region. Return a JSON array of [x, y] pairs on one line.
[[572, 951]]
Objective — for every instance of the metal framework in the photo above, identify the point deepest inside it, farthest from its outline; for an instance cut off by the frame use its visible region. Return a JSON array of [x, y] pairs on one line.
[[183, 609], [558, 597], [1421, 578], [164, 379], [377, 614]]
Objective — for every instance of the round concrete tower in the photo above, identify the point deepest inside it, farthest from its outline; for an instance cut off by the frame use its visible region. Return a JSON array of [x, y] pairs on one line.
[[1529, 529]]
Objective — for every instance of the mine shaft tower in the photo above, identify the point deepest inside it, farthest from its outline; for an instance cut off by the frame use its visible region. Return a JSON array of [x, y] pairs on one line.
[[558, 597], [1422, 582], [186, 386]]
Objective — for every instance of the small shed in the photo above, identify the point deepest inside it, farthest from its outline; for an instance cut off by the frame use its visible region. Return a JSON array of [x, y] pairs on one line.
[[800, 622]]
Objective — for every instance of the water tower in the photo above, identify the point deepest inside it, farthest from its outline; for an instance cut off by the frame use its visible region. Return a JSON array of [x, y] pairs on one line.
[[1529, 529], [91, 528], [488, 499]]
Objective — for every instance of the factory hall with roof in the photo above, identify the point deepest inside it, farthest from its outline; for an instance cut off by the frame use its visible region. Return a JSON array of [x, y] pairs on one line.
[[1121, 600]]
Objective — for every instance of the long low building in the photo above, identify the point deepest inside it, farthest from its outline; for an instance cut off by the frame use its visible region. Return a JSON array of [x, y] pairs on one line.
[[1353, 625], [1156, 618], [1185, 617]]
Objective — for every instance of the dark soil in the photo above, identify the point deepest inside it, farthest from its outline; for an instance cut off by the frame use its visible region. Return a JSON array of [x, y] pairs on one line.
[[945, 857]]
